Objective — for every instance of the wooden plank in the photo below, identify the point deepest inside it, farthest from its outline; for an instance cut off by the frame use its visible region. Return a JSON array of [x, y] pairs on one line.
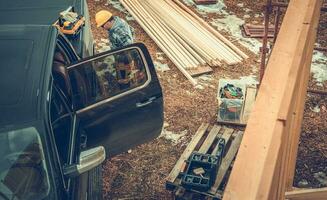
[[212, 30], [248, 103], [226, 162], [300, 79], [265, 124], [307, 194], [199, 71], [159, 41], [257, 31], [172, 37], [209, 140], [228, 54], [187, 152], [198, 39], [226, 136]]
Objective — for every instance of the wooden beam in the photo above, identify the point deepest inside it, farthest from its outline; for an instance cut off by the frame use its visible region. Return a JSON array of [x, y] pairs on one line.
[[209, 140], [257, 172], [307, 194], [226, 162]]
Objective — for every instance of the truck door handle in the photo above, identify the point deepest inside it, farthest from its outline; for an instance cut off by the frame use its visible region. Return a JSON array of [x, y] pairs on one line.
[[149, 101]]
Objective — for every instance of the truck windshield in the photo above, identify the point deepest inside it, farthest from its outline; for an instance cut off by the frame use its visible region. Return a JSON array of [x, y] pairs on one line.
[[23, 173]]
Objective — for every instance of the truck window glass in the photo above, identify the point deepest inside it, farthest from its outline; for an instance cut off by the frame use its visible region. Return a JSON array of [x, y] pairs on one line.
[[23, 173], [61, 124], [107, 76]]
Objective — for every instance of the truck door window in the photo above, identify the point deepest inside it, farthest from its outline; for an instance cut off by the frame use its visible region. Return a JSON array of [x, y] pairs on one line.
[[61, 121], [107, 76]]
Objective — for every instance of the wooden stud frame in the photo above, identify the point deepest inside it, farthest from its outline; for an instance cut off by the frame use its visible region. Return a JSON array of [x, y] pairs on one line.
[[264, 166]]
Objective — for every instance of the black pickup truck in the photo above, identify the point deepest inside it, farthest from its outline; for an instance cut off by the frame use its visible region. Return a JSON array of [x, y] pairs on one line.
[[64, 110]]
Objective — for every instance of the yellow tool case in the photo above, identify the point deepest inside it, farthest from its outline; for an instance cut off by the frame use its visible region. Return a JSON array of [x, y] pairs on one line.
[[70, 23]]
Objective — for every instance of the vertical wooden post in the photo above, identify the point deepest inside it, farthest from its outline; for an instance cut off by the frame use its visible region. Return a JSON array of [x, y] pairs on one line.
[[266, 158]]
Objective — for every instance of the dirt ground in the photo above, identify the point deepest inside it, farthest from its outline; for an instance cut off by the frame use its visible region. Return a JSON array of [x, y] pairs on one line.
[[141, 174]]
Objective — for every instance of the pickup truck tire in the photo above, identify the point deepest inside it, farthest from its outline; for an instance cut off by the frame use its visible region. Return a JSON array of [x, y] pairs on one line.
[[95, 184]]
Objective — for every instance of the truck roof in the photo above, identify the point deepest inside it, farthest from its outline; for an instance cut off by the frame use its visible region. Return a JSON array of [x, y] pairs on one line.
[[23, 72], [42, 12]]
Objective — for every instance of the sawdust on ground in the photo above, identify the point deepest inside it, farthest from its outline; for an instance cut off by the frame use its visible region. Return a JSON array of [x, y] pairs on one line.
[[141, 174]]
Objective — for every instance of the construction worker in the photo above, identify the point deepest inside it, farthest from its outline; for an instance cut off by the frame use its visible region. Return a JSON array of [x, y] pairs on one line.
[[120, 33]]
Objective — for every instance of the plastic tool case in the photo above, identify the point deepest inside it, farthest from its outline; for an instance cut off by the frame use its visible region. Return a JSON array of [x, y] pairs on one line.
[[210, 164]]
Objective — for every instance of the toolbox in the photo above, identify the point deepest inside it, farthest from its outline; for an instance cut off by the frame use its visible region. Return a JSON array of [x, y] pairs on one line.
[[70, 23]]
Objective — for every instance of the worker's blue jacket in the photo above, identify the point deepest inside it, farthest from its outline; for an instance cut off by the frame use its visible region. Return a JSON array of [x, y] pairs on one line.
[[120, 34]]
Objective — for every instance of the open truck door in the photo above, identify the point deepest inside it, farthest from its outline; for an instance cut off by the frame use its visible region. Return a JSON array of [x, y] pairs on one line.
[[118, 98]]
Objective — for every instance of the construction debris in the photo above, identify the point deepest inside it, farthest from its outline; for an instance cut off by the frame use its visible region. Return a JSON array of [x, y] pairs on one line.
[[257, 31], [191, 44], [205, 2]]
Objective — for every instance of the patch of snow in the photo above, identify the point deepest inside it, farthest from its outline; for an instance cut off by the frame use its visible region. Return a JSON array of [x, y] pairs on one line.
[[316, 109], [159, 56], [172, 137], [198, 86], [321, 177], [161, 67], [319, 67], [303, 183], [240, 5], [248, 80], [247, 10], [104, 40], [116, 4], [212, 8], [205, 77], [103, 49], [130, 18], [102, 45], [254, 69], [257, 15], [231, 24], [165, 125], [189, 93]]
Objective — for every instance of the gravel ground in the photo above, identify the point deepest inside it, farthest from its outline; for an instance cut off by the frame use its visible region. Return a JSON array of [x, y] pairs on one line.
[[141, 173]]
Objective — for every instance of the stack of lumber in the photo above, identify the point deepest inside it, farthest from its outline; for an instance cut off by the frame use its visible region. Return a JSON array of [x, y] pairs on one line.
[[189, 42]]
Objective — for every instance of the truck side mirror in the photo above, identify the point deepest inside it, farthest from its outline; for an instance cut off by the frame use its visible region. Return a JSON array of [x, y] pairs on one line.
[[88, 160]]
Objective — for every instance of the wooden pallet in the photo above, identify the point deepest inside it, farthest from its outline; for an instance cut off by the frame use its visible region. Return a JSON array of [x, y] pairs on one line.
[[205, 141], [257, 31]]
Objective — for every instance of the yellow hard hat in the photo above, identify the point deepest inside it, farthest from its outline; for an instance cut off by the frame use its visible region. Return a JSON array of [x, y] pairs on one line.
[[102, 17]]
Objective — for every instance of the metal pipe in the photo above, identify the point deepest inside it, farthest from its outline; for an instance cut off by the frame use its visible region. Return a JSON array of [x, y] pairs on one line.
[[277, 17], [264, 52]]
